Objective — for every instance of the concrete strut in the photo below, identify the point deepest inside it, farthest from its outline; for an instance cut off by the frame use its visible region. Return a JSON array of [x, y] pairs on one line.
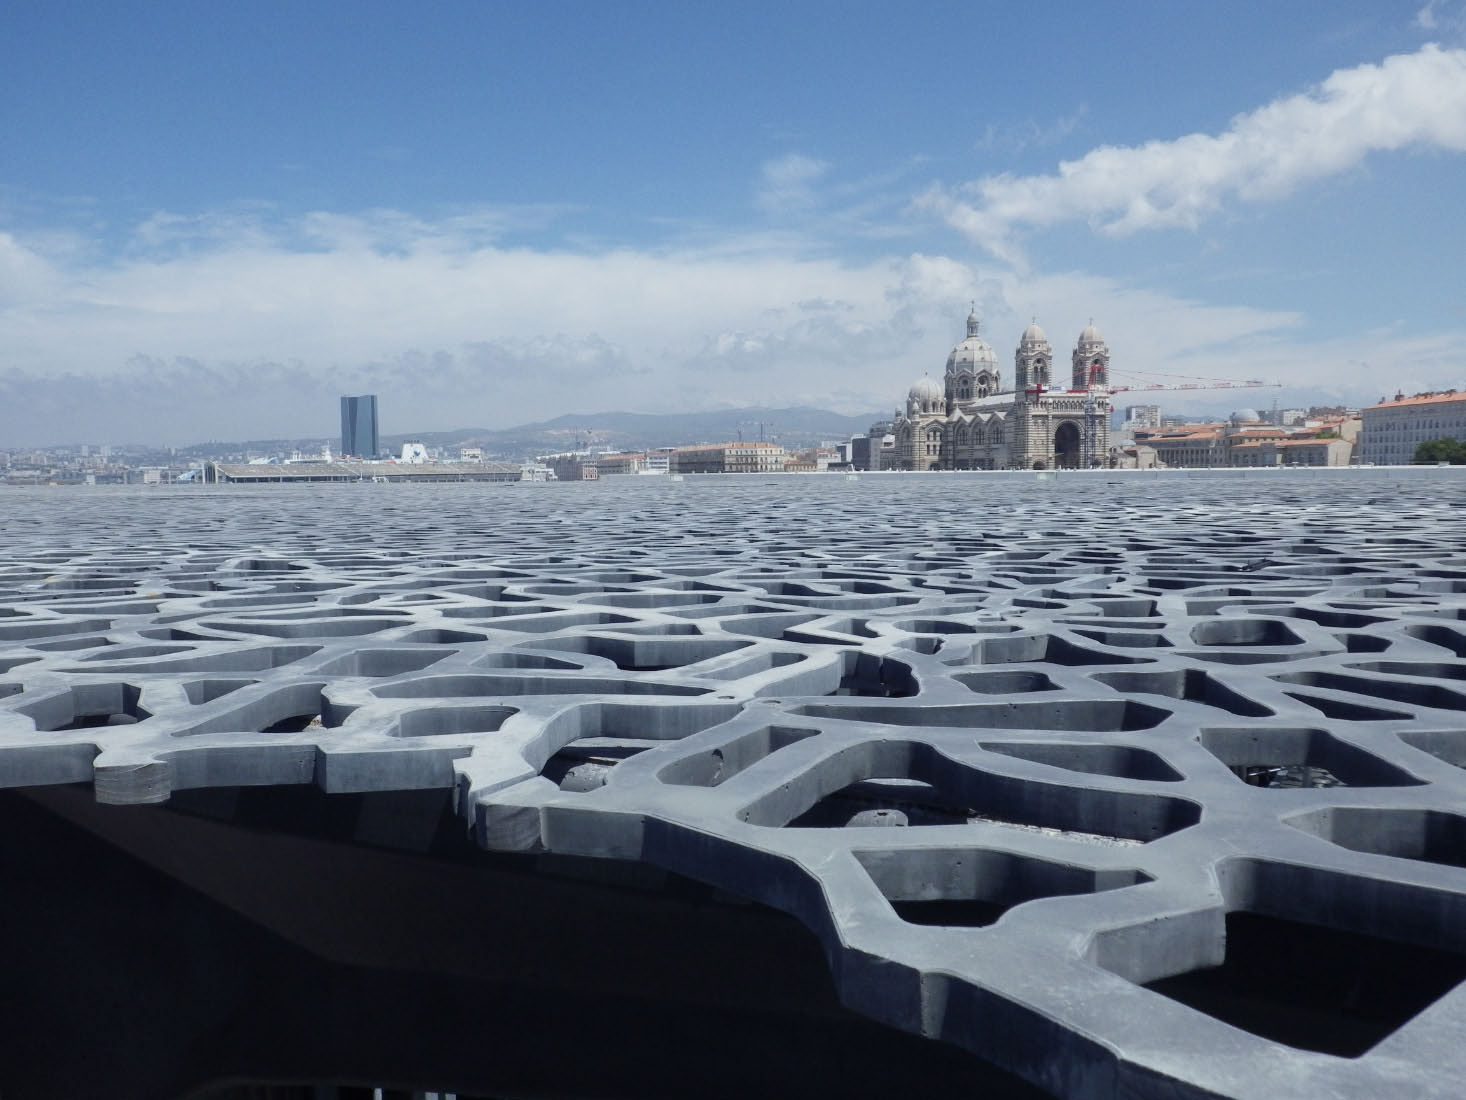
[[1131, 785]]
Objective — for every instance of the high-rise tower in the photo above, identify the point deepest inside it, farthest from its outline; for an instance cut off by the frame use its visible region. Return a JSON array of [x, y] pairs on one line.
[[359, 426]]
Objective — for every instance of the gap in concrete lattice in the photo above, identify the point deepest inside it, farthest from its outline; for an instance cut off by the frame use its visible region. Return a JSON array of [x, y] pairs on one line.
[[1005, 683], [897, 783], [974, 887], [715, 766], [1244, 632], [1447, 745], [587, 763], [87, 706], [1269, 756], [1315, 988], [450, 720], [199, 692], [1121, 761], [872, 677], [1378, 687], [647, 654], [1125, 639], [1066, 715], [383, 662], [1430, 836], [1044, 649], [1442, 636], [1345, 710], [1430, 670], [1354, 642], [1190, 684]]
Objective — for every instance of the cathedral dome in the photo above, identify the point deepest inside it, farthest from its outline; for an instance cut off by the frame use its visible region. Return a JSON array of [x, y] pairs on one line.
[[925, 390], [1091, 335], [973, 354], [1034, 335]]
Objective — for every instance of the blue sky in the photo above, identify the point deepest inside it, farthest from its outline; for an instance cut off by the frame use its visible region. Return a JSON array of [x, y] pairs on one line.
[[214, 218]]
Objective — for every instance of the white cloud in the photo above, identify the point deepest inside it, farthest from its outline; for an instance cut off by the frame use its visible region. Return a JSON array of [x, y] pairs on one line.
[[1409, 100], [1442, 18], [787, 184], [1030, 134], [253, 329]]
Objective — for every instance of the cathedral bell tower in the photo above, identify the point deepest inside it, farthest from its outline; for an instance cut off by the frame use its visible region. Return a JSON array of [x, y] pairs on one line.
[[1032, 362], [1091, 359]]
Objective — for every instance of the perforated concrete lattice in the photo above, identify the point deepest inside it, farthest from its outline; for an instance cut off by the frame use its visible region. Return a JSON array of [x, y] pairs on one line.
[[1141, 785]]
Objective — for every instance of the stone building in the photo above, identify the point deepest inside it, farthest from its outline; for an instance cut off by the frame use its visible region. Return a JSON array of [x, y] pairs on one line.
[[729, 458], [572, 466], [1303, 451], [970, 421], [1395, 427], [1246, 441], [1189, 446]]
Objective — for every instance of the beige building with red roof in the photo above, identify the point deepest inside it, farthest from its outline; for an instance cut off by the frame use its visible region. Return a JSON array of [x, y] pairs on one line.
[[1308, 451], [1190, 446], [729, 458], [1200, 446]]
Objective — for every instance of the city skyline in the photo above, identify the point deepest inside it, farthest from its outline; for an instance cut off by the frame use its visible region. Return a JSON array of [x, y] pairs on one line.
[[492, 216]]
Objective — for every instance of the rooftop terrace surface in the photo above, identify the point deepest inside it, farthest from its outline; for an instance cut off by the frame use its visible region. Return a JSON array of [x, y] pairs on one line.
[[1132, 784]]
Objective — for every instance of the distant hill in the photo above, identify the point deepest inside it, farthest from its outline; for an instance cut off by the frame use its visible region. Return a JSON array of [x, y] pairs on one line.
[[797, 427]]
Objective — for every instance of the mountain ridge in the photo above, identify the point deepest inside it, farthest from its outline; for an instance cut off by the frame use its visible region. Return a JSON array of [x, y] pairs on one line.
[[797, 426]]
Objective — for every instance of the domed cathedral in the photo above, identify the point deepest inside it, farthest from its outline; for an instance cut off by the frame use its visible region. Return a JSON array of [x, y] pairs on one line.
[[973, 423], [972, 368]]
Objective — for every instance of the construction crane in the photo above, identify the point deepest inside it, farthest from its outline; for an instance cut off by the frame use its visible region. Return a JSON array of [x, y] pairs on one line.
[[1193, 383], [762, 424], [1096, 388], [1033, 393]]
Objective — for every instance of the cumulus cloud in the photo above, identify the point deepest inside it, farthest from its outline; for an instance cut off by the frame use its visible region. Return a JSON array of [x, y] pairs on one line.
[[174, 342], [1413, 100], [253, 331]]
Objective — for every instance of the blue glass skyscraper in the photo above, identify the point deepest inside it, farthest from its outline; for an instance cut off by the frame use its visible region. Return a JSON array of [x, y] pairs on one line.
[[359, 426]]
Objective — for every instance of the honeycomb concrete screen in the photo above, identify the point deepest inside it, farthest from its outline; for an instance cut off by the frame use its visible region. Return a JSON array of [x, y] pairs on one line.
[[1143, 785]]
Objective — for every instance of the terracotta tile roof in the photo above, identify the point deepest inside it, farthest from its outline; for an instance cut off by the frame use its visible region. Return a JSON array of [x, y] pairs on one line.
[[1423, 399]]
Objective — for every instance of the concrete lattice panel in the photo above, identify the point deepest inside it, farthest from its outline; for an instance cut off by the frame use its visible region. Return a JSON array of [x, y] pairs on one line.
[[1143, 785]]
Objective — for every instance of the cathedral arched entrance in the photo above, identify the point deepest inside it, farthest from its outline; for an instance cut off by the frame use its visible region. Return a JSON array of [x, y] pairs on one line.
[[1066, 446]]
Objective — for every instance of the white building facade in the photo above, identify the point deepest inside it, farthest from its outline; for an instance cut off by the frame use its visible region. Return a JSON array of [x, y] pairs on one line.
[[1393, 429]]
